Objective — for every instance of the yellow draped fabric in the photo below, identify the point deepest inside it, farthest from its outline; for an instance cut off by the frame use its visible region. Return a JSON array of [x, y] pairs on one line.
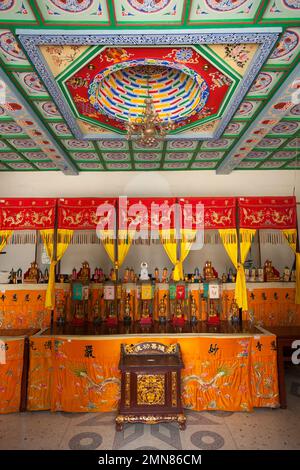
[[64, 238], [169, 243], [107, 237], [229, 240], [124, 243], [291, 236], [4, 237]]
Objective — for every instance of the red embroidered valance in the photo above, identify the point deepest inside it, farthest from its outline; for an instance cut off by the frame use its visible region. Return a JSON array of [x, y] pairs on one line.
[[217, 212], [144, 214], [267, 212], [86, 213], [27, 214]]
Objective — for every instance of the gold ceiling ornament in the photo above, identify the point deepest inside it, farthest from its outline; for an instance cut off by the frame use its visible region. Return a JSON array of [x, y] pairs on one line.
[[149, 128]]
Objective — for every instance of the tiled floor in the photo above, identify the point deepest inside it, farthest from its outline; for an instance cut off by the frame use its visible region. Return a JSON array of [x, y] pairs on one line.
[[262, 429]]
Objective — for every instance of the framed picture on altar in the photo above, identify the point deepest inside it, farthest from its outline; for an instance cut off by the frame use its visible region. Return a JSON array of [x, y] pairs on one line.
[[214, 291], [109, 292]]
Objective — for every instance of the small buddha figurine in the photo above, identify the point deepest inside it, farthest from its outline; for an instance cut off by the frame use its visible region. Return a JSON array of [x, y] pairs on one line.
[[164, 278], [32, 275], [145, 316], [212, 312], [96, 313], [156, 275], [126, 275], [101, 275], [145, 310], [162, 309], [270, 273], [112, 275], [178, 310], [209, 271], [234, 311], [78, 318], [132, 276], [96, 275], [224, 278], [85, 272]]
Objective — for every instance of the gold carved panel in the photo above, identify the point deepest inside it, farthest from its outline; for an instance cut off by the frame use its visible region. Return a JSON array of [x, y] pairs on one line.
[[150, 389]]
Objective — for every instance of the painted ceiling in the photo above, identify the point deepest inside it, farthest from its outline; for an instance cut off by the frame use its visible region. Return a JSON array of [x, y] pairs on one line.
[[225, 72]]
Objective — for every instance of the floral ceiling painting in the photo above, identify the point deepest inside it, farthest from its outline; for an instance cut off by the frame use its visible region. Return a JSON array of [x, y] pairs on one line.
[[75, 72]]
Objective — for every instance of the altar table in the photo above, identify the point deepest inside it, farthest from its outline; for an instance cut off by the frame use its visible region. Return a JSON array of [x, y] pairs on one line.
[[232, 372]]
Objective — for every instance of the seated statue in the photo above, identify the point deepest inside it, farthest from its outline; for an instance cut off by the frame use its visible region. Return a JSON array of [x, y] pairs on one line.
[[162, 308], [270, 273], [209, 272], [84, 273], [126, 275], [164, 278], [32, 275]]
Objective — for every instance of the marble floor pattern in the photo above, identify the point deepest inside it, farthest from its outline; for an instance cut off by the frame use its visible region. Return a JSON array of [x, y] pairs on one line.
[[263, 429]]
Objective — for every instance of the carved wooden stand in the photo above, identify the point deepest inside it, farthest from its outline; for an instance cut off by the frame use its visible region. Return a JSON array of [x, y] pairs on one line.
[[150, 388]]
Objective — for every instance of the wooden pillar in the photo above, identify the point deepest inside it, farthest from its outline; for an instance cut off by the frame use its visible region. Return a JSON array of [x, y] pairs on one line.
[[238, 252], [24, 380], [54, 255], [116, 256], [259, 249]]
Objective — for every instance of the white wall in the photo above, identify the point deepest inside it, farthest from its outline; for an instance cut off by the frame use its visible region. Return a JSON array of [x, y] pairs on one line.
[[165, 183], [193, 183]]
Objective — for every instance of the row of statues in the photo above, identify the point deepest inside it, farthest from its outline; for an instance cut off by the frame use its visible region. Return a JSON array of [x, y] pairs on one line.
[[266, 274]]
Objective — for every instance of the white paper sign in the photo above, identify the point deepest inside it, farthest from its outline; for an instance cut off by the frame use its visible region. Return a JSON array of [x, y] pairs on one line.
[[214, 291]]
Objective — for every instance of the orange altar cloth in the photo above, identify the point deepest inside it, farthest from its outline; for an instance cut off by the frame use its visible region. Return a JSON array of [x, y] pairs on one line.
[[23, 306], [11, 368], [80, 374]]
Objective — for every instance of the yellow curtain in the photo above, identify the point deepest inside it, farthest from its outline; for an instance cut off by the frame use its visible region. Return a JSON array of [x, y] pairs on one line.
[[64, 238], [4, 237], [229, 239], [291, 236], [169, 243], [107, 237], [124, 243]]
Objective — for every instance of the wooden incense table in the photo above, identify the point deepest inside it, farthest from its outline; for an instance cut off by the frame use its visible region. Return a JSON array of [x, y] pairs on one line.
[[285, 337], [151, 384]]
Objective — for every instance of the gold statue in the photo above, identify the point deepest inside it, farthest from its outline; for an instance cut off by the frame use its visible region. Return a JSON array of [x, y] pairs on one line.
[[84, 273], [126, 275], [270, 273], [234, 310], [164, 278], [193, 307], [127, 306], [112, 275], [209, 272], [178, 310], [145, 310], [162, 307], [132, 275], [32, 275], [156, 275]]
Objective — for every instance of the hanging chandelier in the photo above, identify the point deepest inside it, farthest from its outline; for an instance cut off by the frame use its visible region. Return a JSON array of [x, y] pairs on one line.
[[149, 128]]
